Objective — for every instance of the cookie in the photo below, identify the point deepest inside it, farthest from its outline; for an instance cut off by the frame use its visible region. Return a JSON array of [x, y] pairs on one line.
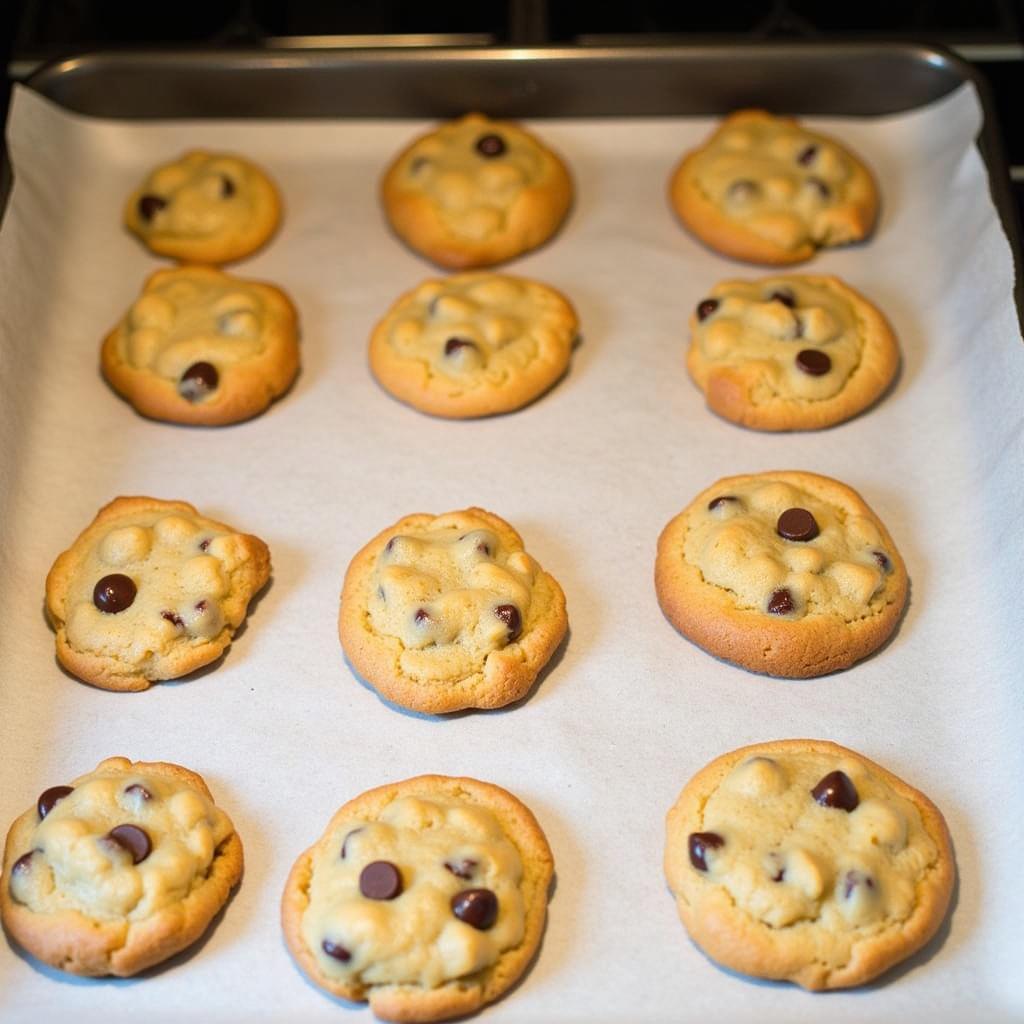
[[765, 189], [803, 861], [118, 871], [441, 613], [204, 208], [476, 192], [202, 347], [473, 344], [151, 590], [790, 353], [786, 573], [426, 898]]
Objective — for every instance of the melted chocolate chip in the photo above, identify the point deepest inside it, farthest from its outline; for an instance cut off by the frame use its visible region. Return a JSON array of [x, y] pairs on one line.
[[133, 839], [813, 362], [476, 907], [198, 381], [461, 868], [797, 524], [721, 501], [490, 146], [140, 791], [743, 190], [509, 614], [24, 862], [820, 187], [335, 950], [807, 155], [344, 842], [883, 560], [200, 607], [49, 797], [172, 617], [853, 879], [706, 307], [455, 345], [380, 881], [781, 602], [836, 790], [113, 593], [421, 616], [150, 206], [699, 844], [227, 187], [787, 298]]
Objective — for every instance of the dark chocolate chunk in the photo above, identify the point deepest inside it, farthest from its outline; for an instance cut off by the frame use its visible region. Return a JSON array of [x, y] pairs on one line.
[[813, 361], [49, 797], [700, 843], [822, 189], [743, 190], [883, 560], [476, 907], [836, 790], [204, 544], [706, 307], [786, 297], [484, 548], [113, 593], [133, 839], [344, 842], [777, 871], [461, 868], [853, 879], [227, 187], [421, 616], [721, 501], [781, 602], [200, 606], [380, 881], [797, 524], [455, 345], [150, 206], [172, 617], [198, 381], [139, 790], [509, 614], [807, 155], [24, 862], [335, 950], [490, 146], [390, 546]]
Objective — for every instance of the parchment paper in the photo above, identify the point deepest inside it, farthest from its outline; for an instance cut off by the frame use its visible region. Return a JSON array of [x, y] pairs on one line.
[[283, 731]]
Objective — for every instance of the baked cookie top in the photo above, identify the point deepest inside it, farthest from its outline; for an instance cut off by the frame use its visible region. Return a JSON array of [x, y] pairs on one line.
[[473, 344], [796, 352], [119, 870], [804, 861], [768, 190], [784, 572], [204, 208], [427, 897], [202, 347], [151, 590], [446, 612], [475, 192]]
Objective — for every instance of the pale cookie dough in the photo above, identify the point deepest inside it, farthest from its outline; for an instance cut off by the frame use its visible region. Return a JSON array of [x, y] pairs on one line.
[[803, 861], [202, 347], [784, 572], [441, 613], [796, 352], [476, 192], [204, 208], [151, 590], [425, 897], [767, 190], [473, 344], [118, 871]]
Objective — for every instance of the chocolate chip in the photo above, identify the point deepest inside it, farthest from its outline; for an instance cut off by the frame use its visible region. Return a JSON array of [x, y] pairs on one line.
[[133, 839], [484, 548], [421, 616], [779, 875], [509, 614], [335, 950], [390, 546], [836, 790], [853, 879], [49, 797], [777, 871], [140, 791], [813, 361], [150, 206], [198, 381], [454, 345], [781, 602], [807, 155], [797, 524], [882, 559], [743, 190], [227, 187], [380, 881], [822, 189], [24, 862], [204, 544], [200, 607], [344, 842], [461, 868], [490, 146], [700, 843], [706, 307], [476, 907], [113, 593], [787, 298], [172, 617], [721, 501]]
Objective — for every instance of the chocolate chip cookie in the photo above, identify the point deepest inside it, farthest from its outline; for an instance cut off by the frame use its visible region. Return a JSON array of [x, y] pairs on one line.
[[786, 573], [151, 590], [446, 612], [426, 898], [119, 870], [803, 861]]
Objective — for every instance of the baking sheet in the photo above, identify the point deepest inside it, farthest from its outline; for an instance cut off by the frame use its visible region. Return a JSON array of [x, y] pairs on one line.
[[282, 730]]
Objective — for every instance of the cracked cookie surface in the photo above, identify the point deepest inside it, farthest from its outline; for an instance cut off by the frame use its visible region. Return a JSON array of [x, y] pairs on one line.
[[151, 590], [425, 897], [441, 613], [793, 352], [473, 344], [203, 347], [768, 190], [476, 192], [801, 860], [119, 870], [784, 572]]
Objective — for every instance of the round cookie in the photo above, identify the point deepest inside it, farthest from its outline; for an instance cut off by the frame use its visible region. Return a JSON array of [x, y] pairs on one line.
[[473, 344], [786, 573], [118, 871], [426, 898], [800, 860], [151, 590], [765, 189], [204, 208], [796, 352], [202, 347], [476, 192], [441, 613]]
